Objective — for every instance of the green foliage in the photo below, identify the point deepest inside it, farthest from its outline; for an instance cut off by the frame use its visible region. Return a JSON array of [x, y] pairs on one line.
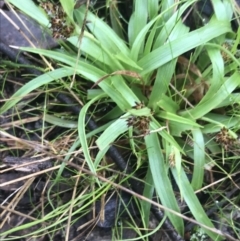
[[157, 37]]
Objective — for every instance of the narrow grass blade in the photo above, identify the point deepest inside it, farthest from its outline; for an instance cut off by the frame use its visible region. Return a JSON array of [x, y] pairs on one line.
[[103, 32], [95, 52], [115, 17], [82, 135], [161, 180], [112, 132], [163, 77], [170, 18], [211, 102], [68, 6], [173, 49], [217, 65], [148, 193], [138, 20], [113, 86], [34, 84], [164, 134], [199, 159], [59, 121], [153, 8], [166, 5], [28, 7], [193, 202], [177, 118]]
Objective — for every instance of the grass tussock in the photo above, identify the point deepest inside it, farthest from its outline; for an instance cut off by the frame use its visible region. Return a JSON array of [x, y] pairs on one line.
[[161, 80]]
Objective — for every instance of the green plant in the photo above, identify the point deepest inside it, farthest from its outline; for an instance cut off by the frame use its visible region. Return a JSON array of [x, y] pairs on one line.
[[159, 96]]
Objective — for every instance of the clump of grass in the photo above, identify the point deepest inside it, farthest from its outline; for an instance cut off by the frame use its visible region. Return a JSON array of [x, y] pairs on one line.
[[171, 91]]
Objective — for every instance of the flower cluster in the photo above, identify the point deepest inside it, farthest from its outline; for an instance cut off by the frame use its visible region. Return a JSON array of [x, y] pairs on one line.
[[59, 26], [225, 139], [139, 123]]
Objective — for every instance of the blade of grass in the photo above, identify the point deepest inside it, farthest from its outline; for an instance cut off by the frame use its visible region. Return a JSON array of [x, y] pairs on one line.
[[68, 6], [59, 121], [29, 8], [95, 52], [148, 193], [193, 202], [172, 18], [199, 159], [155, 125], [113, 86], [188, 41], [117, 128], [177, 118], [34, 84], [161, 180], [103, 32], [82, 135], [137, 21], [115, 17], [153, 8], [211, 102]]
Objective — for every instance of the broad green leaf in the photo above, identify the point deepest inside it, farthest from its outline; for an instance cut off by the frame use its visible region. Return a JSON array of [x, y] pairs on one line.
[[167, 5], [139, 40], [151, 37], [217, 65], [177, 159], [177, 129], [115, 15], [232, 99], [127, 61], [222, 10], [121, 86], [165, 72], [100, 155]]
